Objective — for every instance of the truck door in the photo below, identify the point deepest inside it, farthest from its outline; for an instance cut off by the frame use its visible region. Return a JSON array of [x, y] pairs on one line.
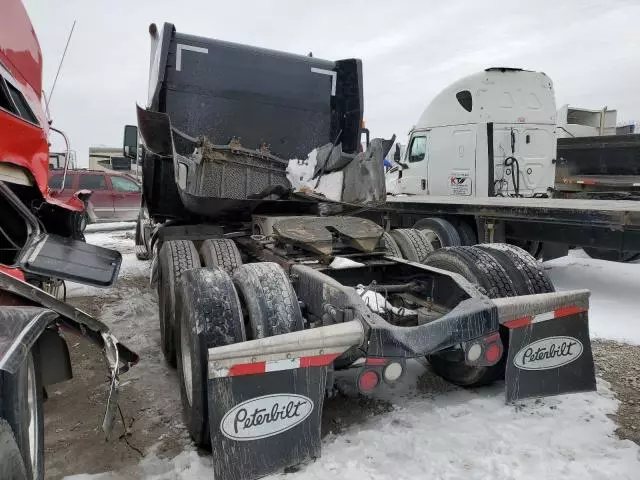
[[453, 161], [413, 178]]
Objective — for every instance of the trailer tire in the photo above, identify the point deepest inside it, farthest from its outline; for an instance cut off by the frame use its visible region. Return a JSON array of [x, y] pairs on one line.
[[483, 270], [21, 398], [175, 257], [611, 255], [271, 302], [209, 315], [413, 244], [220, 252], [532, 247], [440, 232], [391, 246], [533, 278], [467, 234]]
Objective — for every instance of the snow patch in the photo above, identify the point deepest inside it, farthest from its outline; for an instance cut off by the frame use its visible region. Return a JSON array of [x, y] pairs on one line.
[[110, 226], [468, 434], [613, 306], [342, 262]]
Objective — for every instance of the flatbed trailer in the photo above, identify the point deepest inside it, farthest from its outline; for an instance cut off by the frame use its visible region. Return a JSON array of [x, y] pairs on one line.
[[560, 223], [599, 167]]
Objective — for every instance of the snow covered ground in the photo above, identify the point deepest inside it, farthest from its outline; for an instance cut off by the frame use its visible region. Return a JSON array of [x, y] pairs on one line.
[[614, 310], [449, 433]]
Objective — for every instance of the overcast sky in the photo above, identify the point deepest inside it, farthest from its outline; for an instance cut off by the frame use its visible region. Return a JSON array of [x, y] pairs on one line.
[[410, 50]]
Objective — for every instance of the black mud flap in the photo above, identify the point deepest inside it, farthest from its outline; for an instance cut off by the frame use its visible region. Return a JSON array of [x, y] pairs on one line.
[[263, 423], [549, 354]]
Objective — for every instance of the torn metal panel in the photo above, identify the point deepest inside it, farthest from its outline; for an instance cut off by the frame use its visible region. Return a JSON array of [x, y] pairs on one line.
[[330, 158], [364, 179]]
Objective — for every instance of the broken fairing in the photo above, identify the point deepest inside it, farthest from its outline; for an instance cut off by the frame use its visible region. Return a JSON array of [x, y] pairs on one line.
[[24, 325], [339, 176]]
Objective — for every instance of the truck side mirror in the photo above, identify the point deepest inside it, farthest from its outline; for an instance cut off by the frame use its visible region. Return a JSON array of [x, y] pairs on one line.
[[130, 144], [396, 154]]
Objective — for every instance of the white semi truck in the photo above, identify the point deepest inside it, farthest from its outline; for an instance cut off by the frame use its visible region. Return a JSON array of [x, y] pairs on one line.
[[451, 151], [481, 161]]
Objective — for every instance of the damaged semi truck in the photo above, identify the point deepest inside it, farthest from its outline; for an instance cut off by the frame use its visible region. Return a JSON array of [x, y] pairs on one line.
[[268, 295], [41, 246]]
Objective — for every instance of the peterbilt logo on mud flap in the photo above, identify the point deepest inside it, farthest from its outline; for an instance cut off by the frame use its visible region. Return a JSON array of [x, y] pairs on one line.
[[263, 417], [548, 353]]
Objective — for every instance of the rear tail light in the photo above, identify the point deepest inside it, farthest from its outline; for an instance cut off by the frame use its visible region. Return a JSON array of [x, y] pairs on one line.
[[492, 353], [483, 352], [368, 380]]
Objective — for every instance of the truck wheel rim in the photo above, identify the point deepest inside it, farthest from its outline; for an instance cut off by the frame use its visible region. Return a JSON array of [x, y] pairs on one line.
[[34, 427], [187, 373]]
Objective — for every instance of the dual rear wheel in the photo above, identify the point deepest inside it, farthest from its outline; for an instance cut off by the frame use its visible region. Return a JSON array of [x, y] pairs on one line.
[[220, 304], [227, 302], [498, 270]]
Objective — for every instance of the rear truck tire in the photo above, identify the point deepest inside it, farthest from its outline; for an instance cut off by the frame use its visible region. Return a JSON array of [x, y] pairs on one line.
[[175, 257], [483, 270], [533, 277], [391, 246], [220, 252], [21, 408], [209, 315], [611, 255], [413, 244], [269, 299], [440, 232], [467, 234]]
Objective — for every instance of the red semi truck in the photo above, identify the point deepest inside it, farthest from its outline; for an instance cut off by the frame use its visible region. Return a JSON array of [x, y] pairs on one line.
[[41, 246]]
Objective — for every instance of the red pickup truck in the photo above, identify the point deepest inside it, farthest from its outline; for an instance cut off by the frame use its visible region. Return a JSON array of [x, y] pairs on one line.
[[116, 197]]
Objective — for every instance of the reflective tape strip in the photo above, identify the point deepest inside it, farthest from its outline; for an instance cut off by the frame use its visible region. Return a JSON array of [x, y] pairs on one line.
[[542, 317], [277, 365], [258, 368]]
